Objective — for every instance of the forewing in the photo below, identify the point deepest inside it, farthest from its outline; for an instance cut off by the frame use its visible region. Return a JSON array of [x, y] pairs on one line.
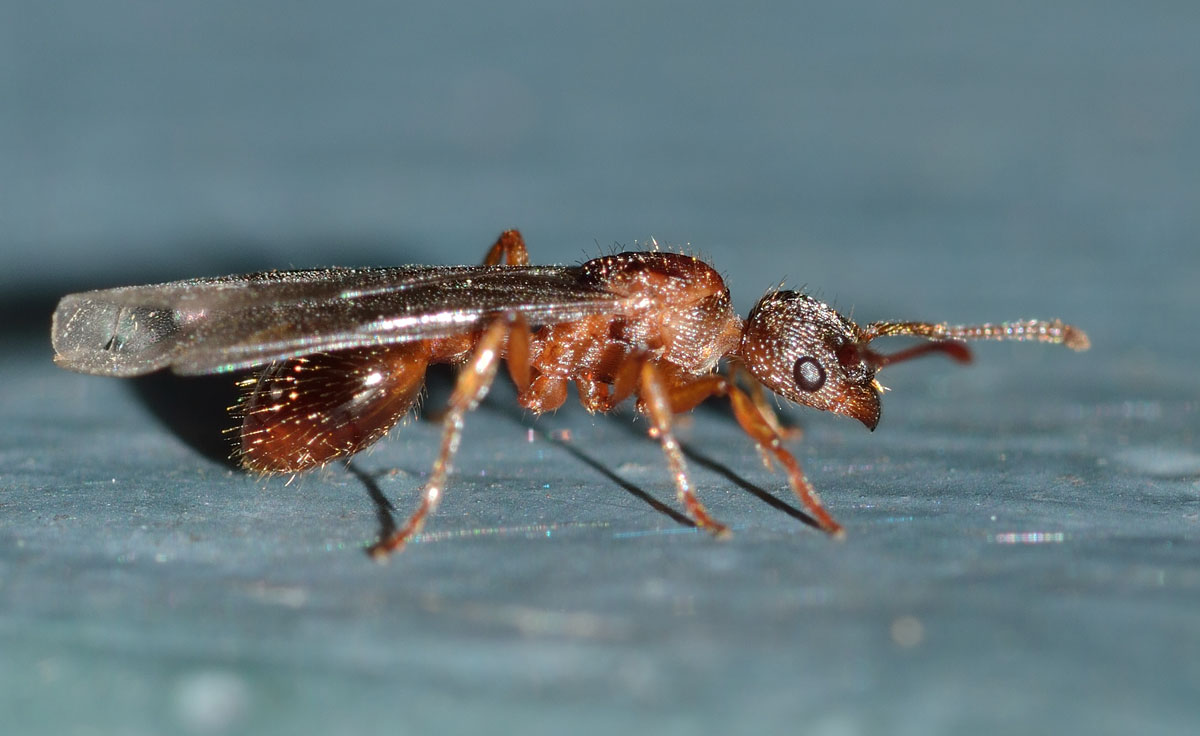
[[223, 324]]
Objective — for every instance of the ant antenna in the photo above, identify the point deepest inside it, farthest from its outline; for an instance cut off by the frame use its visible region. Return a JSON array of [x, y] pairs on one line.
[[949, 339]]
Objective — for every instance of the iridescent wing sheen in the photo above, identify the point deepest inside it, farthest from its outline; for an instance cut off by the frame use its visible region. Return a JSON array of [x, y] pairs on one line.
[[213, 325]]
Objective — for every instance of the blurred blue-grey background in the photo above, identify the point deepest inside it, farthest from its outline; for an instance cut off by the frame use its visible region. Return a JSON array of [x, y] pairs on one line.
[[1024, 535]]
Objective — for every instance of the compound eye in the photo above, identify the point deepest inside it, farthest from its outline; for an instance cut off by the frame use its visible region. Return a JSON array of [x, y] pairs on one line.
[[809, 374]]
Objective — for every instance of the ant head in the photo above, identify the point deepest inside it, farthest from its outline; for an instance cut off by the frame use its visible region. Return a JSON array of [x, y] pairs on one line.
[[804, 350]]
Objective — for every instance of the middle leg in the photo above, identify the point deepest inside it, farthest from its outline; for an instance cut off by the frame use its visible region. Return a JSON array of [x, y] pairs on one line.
[[470, 388], [655, 401]]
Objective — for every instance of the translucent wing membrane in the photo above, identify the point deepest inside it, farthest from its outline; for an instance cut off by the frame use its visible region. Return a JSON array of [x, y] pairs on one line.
[[222, 324]]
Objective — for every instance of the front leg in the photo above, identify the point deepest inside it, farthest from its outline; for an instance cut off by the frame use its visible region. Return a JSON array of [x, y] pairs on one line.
[[681, 393], [759, 397]]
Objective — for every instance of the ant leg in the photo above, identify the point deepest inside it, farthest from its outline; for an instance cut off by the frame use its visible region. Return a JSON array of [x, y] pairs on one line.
[[655, 401], [685, 392], [599, 396], [769, 441], [594, 395], [545, 393], [472, 385], [516, 353], [508, 250], [759, 398]]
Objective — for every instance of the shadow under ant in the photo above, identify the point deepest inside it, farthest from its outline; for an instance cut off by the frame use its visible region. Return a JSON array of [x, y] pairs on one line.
[[385, 512], [195, 409], [439, 382], [509, 411], [729, 473]]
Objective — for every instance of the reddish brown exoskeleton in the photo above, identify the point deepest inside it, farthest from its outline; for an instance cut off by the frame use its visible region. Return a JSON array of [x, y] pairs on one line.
[[343, 352]]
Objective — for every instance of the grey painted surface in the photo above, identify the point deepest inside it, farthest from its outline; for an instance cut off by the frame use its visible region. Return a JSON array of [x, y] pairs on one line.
[[1023, 534]]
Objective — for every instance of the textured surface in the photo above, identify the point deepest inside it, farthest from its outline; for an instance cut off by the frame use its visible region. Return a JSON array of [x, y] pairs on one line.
[[1024, 543]]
